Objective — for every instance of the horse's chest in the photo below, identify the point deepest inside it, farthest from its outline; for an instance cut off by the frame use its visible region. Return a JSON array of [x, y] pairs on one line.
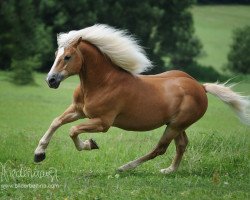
[[99, 105], [92, 110], [88, 112]]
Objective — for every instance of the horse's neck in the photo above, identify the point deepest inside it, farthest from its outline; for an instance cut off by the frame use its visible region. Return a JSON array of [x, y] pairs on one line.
[[97, 70]]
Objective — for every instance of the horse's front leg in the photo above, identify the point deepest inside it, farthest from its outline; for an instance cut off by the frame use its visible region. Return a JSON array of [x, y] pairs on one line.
[[91, 126], [71, 114]]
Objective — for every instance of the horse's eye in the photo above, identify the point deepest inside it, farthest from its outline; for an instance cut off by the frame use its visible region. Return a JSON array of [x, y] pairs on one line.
[[66, 58]]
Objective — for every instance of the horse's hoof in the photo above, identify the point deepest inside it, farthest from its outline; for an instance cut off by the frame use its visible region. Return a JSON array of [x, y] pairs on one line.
[[93, 144], [39, 157]]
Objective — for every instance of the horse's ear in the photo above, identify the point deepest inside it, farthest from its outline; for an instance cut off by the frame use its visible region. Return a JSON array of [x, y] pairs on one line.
[[78, 42]]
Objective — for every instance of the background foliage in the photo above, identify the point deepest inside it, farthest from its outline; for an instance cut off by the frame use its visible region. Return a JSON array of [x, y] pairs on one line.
[[238, 57], [164, 28]]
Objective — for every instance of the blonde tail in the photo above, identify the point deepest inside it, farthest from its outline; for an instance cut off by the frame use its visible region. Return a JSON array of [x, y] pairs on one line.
[[240, 104]]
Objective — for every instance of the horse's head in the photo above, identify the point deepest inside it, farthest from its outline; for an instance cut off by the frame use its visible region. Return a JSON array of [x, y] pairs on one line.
[[68, 62]]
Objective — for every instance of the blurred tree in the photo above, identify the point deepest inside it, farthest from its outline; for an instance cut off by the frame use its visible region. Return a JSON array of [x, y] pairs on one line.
[[164, 28], [19, 41], [6, 44], [63, 16], [176, 33], [238, 57], [223, 1], [141, 18]]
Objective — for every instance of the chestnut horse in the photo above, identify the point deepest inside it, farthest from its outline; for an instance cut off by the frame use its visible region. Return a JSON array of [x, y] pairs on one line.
[[111, 93]]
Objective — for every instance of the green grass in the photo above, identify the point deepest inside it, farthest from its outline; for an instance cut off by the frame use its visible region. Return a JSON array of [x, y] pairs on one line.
[[216, 165], [214, 26]]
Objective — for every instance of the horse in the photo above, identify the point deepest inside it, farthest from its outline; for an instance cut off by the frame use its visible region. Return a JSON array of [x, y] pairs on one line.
[[113, 93]]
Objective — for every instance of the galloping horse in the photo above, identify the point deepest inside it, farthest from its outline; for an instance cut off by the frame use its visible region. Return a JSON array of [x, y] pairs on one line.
[[111, 93]]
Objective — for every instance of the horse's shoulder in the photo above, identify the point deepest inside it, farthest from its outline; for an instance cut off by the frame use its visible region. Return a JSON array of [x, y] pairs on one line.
[[78, 94]]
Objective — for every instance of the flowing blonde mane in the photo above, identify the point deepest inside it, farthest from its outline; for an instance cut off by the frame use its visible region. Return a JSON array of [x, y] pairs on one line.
[[121, 48]]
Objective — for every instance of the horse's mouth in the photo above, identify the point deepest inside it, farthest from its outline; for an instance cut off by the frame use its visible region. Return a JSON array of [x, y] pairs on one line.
[[54, 85]]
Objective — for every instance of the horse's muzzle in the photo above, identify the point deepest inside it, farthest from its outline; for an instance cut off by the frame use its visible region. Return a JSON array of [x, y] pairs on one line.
[[54, 80]]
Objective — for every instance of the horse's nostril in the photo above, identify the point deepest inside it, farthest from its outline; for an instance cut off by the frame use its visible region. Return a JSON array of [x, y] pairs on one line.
[[52, 81]]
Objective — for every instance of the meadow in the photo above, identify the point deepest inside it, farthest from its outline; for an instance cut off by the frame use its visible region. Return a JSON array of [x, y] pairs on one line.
[[215, 166], [214, 25]]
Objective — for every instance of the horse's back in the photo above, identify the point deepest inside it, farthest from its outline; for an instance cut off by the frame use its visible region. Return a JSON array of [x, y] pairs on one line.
[[168, 74]]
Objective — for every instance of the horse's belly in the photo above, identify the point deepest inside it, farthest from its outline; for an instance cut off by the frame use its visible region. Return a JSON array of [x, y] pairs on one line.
[[138, 124], [143, 117]]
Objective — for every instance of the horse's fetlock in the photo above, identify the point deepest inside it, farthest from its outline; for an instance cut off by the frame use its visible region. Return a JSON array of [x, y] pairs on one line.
[[56, 123], [43, 142]]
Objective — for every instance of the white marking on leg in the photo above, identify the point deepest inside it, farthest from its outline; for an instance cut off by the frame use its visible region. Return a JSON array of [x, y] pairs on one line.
[[160, 149], [128, 166], [43, 143], [181, 142], [68, 116], [80, 145], [168, 170]]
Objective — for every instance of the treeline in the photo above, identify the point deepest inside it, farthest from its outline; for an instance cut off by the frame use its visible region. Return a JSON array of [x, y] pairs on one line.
[[164, 28], [223, 2], [30, 27]]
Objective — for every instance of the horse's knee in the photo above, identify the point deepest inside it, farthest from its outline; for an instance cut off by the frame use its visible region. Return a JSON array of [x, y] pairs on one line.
[[158, 151], [162, 151], [185, 139], [57, 122]]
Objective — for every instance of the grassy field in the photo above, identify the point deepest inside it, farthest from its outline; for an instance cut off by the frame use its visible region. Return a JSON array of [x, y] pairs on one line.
[[214, 26], [216, 165]]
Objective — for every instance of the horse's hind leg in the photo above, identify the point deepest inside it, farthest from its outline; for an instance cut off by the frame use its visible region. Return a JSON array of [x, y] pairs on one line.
[[169, 134], [181, 142]]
